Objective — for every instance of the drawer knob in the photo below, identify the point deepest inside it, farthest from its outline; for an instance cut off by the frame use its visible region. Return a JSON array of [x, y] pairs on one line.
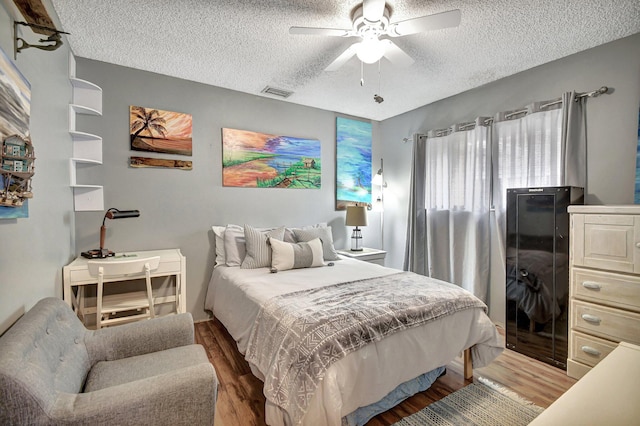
[[591, 285], [591, 351], [591, 318]]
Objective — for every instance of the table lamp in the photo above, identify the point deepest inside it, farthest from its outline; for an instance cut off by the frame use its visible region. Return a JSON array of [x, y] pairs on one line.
[[110, 214], [356, 216]]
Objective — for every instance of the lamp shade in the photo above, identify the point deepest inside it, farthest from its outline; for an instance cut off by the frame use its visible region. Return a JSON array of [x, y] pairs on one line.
[[356, 216]]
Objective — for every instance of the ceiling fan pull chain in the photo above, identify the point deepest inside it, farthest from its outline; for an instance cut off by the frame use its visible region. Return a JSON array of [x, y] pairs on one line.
[[361, 73]]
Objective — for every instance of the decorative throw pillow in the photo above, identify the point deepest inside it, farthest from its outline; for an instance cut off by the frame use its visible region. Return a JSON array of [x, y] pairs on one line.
[[329, 252], [290, 237], [234, 246], [218, 231], [258, 251], [286, 256]]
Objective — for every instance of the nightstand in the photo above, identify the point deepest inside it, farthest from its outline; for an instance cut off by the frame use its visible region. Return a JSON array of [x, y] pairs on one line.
[[367, 254]]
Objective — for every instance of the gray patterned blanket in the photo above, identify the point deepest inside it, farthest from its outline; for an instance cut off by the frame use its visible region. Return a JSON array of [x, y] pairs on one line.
[[297, 336]]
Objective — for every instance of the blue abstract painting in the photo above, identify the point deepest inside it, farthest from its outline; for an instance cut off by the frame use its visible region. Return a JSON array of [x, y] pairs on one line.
[[353, 162]]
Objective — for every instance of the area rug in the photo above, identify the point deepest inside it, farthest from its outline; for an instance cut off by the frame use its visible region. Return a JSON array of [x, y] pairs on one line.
[[484, 404]]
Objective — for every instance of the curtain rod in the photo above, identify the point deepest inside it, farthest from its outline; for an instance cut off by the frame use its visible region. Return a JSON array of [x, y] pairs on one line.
[[463, 126], [592, 94]]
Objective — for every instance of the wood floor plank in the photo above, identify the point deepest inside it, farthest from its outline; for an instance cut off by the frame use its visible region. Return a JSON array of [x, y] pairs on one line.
[[241, 400]]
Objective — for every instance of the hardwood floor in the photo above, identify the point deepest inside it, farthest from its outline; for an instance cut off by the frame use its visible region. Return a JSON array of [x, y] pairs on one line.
[[241, 402]]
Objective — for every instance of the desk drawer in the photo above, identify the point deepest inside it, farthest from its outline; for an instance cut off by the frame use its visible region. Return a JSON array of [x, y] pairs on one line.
[[164, 269], [609, 323], [589, 350], [616, 290]]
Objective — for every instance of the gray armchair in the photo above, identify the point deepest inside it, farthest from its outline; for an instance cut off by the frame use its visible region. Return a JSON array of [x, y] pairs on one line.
[[54, 371]]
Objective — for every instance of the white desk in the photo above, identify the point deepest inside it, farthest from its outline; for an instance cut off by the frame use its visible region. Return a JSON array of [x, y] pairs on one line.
[[172, 263]]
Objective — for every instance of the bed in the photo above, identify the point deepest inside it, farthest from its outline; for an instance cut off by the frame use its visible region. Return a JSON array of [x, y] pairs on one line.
[[348, 382]]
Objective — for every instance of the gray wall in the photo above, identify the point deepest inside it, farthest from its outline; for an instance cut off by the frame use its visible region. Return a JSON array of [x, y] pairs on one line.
[[33, 250], [178, 207], [612, 133]]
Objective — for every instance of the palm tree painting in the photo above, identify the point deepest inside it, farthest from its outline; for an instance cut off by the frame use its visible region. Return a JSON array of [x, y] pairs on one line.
[[260, 160], [160, 131], [353, 162]]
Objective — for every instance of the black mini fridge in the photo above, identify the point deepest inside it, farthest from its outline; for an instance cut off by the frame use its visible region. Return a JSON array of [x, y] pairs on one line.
[[537, 261]]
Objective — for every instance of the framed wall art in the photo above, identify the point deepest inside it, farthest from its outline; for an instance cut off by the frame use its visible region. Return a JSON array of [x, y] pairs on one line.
[[353, 162], [156, 130], [261, 160], [16, 157]]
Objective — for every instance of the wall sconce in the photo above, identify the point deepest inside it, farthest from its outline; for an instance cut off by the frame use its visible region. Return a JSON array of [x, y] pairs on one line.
[[356, 216], [378, 180], [110, 214], [50, 43]]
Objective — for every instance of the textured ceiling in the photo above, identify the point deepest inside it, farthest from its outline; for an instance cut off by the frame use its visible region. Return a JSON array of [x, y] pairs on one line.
[[245, 45]]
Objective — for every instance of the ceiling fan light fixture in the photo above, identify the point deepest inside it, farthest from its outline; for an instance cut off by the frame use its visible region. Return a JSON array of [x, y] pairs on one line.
[[370, 50]]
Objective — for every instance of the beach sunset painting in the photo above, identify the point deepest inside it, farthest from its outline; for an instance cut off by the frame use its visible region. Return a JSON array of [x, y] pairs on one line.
[[156, 130], [260, 160], [353, 162]]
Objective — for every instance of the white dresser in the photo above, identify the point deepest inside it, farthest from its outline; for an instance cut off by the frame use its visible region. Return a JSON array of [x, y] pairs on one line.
[[604, 283]]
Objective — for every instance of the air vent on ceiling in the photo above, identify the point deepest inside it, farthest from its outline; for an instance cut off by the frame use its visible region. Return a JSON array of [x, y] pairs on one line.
[[277, 92]]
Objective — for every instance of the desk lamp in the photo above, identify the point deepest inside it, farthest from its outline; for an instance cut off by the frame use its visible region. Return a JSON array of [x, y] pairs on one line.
[[356, 216], [110, 214]]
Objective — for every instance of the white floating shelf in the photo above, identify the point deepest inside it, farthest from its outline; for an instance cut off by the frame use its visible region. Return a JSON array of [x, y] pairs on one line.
[[83, 109], [88, 198], [86, 97], [87, 147]]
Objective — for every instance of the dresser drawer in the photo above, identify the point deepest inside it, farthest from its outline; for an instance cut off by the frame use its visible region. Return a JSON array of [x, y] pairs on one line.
[[608, 323], [606, 241], [616, 290], [589, 350]]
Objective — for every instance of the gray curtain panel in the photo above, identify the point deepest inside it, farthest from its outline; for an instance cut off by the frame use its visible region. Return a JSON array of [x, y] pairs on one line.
[[415, 258]]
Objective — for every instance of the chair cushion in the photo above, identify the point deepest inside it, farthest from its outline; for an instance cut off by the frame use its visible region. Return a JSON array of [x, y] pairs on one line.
[[105, 374]]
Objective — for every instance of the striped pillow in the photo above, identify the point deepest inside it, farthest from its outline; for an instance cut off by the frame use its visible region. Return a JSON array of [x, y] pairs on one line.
[[329, 251], [292, 256], [258, 251]]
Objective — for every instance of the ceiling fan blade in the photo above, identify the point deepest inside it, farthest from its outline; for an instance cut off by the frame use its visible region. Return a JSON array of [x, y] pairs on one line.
[[373, 10], [425, 23], [396, 55], [320, 31], [343, 58]]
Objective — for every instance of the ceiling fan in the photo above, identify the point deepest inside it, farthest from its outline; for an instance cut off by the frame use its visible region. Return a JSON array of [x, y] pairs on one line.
[[370, 22]]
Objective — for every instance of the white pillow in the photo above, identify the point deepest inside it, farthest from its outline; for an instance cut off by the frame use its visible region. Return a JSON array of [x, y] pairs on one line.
[[219, 233], [286, 256], [258, 251], [329, 252], [234, 247]]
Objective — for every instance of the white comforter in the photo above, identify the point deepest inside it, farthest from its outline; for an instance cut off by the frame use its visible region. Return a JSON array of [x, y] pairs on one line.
[[370, 373]]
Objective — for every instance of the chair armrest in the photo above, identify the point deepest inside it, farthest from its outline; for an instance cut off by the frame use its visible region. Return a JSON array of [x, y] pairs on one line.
[[183, 397], [138, 338]]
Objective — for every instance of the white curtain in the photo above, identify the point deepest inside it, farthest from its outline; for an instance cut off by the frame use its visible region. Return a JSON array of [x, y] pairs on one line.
[[542, 145], [457, 204]]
